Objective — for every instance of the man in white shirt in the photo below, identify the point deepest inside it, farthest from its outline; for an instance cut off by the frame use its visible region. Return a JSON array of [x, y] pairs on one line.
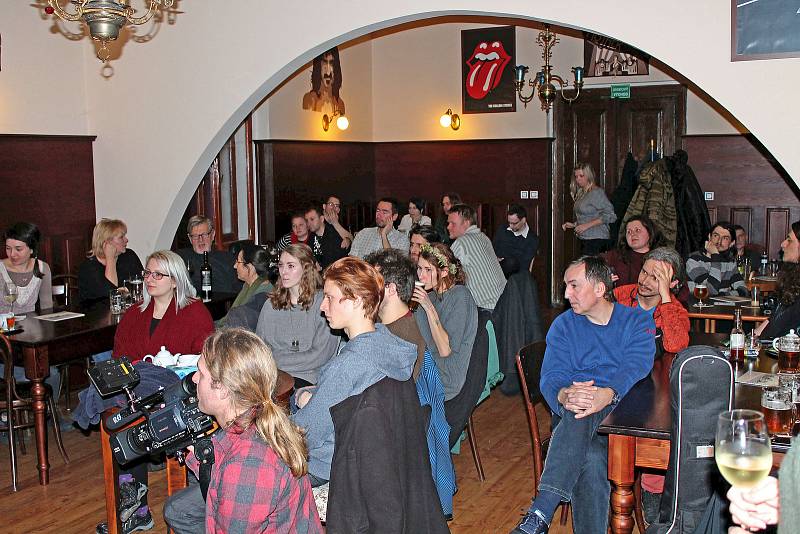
[[515, 244], [383, 235]]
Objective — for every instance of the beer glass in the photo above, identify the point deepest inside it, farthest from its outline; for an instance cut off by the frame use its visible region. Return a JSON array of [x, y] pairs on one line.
[[700, 293], [776, 403], [413, 304], [742, 447], [788, 348]]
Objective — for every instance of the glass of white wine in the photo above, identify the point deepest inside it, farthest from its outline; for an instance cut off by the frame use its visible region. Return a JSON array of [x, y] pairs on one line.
[[11, 295], [742, 450]]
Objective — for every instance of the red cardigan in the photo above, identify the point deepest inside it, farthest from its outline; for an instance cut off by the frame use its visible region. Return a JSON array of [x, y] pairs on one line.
[[672, 318], [180, 331]]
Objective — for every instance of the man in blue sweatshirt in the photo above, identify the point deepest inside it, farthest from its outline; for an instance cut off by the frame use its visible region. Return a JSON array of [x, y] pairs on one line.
[[596, 352]]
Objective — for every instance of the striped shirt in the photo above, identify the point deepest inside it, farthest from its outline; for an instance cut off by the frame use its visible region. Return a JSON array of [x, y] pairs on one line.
[[485, 279], [369, 240], [718, 273]]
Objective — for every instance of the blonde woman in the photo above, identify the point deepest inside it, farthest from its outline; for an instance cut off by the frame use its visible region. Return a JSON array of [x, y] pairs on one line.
[[290, 321], [110, 262], [259, 476], [447, 315], [593, 211]]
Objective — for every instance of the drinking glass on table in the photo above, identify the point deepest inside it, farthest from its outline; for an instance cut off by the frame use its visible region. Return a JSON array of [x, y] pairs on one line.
[[776, 403], [11, 295], [136, 285], [742, 447], [700, 293]]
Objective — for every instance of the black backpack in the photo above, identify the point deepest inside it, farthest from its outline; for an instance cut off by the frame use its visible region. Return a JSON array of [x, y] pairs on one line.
[[701, 384]]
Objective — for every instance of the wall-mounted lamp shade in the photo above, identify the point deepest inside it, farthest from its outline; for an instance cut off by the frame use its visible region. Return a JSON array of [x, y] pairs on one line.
[[341, 122], [450, 119]]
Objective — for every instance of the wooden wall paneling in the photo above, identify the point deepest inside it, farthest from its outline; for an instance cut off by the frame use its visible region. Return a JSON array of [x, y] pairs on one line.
[[712, 214], [777, 228], [74, 252], [265, 185], [743, 216]]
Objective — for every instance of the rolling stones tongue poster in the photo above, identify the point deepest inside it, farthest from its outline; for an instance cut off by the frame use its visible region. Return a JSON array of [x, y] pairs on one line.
[[487, 66]]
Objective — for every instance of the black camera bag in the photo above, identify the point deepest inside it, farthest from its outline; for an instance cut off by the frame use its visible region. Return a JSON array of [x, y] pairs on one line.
[[701, 387]]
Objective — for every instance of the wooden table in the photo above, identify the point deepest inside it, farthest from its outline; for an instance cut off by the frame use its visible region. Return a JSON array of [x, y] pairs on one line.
[[176, 473], [639, 428], [45, 343], [711, 314]]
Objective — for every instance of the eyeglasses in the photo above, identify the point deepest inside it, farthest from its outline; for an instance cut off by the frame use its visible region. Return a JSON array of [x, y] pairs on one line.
[[333, 204], [155, 274], [197, 237]]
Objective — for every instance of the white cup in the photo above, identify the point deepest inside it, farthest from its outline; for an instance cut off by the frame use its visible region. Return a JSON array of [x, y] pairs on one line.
[[188, 360]]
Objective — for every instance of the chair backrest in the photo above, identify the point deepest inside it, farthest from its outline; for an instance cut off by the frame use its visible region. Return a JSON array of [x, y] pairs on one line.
[[529, 366], [7, 359], [65, 288]]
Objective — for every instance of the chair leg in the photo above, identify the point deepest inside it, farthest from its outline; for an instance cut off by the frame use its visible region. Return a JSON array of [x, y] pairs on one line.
[[638, 513], [12, 446], [473, 443], [23, 417], [564, 511], [57, 428], [64, 386]]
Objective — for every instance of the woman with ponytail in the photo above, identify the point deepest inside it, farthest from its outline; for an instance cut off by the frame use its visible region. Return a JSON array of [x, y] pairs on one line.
[[259, 479]]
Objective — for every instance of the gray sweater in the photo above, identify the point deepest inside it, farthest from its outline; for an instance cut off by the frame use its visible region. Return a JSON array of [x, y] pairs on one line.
[[365, 360], [458, 314], [595, 205], [301, 340]]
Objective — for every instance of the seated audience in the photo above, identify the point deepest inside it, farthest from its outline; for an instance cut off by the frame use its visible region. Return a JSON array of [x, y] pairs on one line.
[[258, 481], [715, 266], [290, 321], [742, 250], [627, 258], [328, 247], [25, 283], [299, 234], [787, 315], [515, 244], [110, 263], [331, 211], [252, 268], [448, 201], [399, 274], [414, 216], [656, 293], [169, 316], [418, 236], [447, 315], [353, 290], [200, 230], [485, 278], [383, 235], [584, 375]]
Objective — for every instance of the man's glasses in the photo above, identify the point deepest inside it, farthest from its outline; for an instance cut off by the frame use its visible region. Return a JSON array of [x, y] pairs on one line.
[[197, 237], [155, 274], [333, 204]]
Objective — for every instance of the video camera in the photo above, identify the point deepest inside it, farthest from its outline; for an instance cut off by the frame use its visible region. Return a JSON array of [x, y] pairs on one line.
[[173, 421]]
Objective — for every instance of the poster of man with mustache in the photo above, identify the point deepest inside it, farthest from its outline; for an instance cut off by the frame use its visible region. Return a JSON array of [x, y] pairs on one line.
[[326, 82], [487, 66]]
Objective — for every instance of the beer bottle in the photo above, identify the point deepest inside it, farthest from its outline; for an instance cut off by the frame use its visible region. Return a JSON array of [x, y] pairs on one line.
[[737, 336], [205, 277], [764, 267]]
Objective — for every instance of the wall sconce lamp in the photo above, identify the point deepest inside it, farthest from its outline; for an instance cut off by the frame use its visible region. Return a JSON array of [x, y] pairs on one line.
[[341, 122], [450, 119]]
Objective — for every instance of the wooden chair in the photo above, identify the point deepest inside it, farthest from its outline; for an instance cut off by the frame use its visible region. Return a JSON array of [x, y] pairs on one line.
[[16, 399], [65, 293]]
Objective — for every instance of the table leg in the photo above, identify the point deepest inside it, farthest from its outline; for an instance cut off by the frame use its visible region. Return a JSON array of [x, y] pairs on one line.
[[621, 459], [36, 370]]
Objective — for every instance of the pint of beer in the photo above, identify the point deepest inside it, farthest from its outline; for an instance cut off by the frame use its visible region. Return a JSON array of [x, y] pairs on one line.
[[776, 403]]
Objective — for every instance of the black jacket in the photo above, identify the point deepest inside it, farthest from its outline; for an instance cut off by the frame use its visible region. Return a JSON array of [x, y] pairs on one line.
[[694, 223], [380, 474]]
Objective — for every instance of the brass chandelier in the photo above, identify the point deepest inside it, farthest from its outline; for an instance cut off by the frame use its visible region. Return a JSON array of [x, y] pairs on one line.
[[545, 78], [105, 18]]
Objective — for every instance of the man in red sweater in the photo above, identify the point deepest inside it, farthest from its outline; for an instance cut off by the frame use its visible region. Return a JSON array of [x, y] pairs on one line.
[[659, 282]]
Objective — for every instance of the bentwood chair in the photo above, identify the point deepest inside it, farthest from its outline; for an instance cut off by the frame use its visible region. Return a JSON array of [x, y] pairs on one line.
[[16, 402], [65, 292]]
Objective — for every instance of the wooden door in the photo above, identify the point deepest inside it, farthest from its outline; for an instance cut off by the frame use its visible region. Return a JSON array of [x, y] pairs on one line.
[[601, 131]]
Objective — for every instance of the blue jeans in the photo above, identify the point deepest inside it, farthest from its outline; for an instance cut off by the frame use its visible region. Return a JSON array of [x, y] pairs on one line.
[[576, 469]]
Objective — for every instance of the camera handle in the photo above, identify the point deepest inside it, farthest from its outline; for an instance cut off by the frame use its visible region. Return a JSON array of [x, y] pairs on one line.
[[204, 452]]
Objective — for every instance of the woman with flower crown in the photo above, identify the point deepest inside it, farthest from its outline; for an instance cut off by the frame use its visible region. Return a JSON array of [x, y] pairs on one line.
[[447, 315]]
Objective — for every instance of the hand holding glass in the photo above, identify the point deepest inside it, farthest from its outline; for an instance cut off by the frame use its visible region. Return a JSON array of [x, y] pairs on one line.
[[742, 449]]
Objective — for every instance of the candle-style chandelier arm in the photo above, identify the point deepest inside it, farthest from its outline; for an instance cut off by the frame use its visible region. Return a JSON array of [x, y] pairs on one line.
[[66, 15], [151, 9]]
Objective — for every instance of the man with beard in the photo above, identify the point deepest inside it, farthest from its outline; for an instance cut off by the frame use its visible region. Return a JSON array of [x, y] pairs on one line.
[[326, 81], [715, 267], [596, 351], [383, 235]]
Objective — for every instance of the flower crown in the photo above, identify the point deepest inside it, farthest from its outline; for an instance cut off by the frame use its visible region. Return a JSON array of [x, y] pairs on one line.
[[440, 258]]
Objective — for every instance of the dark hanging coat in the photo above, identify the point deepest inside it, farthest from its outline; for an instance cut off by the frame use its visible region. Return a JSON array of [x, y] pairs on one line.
[[692, 211], [622, 195], [654, 198]]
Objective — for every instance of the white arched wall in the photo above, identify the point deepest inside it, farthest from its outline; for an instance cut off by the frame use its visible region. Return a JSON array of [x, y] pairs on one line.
[[173, 102]]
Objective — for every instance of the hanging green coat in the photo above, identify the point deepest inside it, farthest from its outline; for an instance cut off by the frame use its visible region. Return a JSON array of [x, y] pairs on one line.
[[655, 199]]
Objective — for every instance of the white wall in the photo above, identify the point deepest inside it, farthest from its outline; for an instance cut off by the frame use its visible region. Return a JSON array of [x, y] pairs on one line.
[[174, 101]]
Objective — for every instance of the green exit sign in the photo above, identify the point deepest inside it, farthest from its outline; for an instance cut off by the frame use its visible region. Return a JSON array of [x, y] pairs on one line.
[[620, 90]]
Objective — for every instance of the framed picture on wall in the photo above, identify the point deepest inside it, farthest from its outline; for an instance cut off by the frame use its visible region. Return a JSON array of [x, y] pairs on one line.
[[487, 70], [765, 30], [603, 56]]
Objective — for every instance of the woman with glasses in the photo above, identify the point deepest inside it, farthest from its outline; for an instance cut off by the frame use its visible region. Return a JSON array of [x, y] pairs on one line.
[[110, 262], [290, 321], [169, 316], [252, 267]]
